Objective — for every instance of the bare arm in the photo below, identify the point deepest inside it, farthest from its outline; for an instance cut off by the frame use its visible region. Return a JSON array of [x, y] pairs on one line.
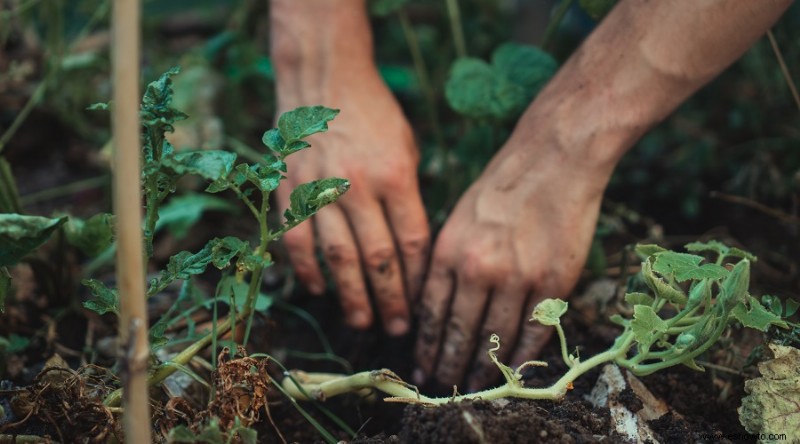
[[521, 233], [378, 232]]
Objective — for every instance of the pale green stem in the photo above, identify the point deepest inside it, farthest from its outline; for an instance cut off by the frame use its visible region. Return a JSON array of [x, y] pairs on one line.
[[564, 352], [323, 386], [454, 14]]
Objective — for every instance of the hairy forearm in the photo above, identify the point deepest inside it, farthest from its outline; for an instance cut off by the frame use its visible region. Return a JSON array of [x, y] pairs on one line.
[[315, 41], [642, 61]]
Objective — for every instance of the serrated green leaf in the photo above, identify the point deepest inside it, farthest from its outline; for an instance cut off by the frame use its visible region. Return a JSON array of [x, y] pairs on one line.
[[156, 110], [646, 325], [637, 298], [225, 249], [20, 235], [383, 8], [273, 140], [212, 165], [156, 333], [670, 263], [659, 287], [524, 65], [710, 246], [180, 213], [104, 300], [756, 316], [308, 198], [549, 311], [91, 236], [644, 251], [303, 122], [735, 252], [5, 287]]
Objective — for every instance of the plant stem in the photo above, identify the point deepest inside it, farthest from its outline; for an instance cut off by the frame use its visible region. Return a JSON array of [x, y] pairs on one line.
[[64, 190], [323, 386], [34, 100], [454, 15], [564, 352], [555, 22], [784, 68], [424, 81]]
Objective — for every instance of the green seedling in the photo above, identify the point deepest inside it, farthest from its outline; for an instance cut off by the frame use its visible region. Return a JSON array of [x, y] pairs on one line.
[[252, 183], [690, 302]]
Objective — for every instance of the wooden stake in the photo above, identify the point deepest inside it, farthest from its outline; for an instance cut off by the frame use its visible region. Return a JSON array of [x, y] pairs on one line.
[[135, 350]]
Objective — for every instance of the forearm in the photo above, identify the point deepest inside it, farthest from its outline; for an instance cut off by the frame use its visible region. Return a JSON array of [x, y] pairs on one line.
[[644, 59], [314, 41]]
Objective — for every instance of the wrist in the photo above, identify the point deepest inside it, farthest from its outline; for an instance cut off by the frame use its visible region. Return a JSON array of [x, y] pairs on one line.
[[318, 46]]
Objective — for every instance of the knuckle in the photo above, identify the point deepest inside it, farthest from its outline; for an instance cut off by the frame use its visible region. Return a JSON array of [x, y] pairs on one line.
[[380, 259], [414, 245], [340, 255], [477, 267]]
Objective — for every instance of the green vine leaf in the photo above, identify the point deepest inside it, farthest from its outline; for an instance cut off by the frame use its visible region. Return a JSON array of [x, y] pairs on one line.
[[549, 311], [684, 266], [92, 236], [659, 287], [756, 315], [105, 300], [308, 198], [644, 251], [637, 298], [646, 325], [20, 235]]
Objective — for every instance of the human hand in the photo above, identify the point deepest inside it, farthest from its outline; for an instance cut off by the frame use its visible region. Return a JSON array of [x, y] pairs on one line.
[[378, 231], [521, 233]]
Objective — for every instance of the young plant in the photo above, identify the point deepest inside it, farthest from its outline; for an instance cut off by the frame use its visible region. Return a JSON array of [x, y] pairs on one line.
[[690, 303], [252, 183]]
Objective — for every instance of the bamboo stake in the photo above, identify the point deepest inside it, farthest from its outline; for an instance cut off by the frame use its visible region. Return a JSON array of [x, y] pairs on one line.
[[128, 211]]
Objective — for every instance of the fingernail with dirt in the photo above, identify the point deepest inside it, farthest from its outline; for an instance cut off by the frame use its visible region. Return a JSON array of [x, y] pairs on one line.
[[397, 327]]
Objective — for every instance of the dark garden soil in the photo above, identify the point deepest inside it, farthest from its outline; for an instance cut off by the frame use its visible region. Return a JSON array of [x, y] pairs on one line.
[[702, 404]]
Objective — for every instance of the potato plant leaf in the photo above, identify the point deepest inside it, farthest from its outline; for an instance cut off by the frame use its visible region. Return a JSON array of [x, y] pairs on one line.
[[92, 236], [212, 165], [549, 311], [182, 212], [185, 264], [20, 235], [308, 198], [230, 286], [303, 122], [756, 315], [646, 325], [104, 300], [273, 140], [772, 405], [156, 109]]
